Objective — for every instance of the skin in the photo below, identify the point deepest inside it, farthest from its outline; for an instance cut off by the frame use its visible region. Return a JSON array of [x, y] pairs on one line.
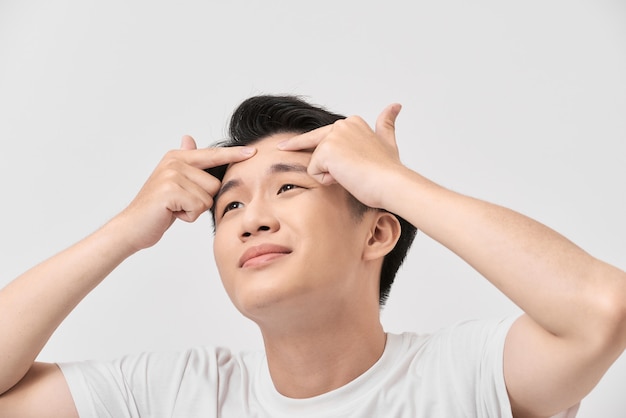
[[286, 208], [316, 296], [34, 304], [573, 328]]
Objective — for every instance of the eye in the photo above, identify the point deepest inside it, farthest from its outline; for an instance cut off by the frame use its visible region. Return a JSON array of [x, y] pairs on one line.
[[286, 188], [231, 206]]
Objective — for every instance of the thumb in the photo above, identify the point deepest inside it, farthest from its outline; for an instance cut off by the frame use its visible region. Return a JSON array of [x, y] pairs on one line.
[[386, 123], [187, 143]]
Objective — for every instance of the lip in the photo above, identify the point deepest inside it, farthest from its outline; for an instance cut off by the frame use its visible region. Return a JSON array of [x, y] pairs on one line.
[[259, 254]]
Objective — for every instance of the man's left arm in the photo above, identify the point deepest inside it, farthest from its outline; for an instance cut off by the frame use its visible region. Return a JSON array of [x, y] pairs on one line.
[[574, 326]]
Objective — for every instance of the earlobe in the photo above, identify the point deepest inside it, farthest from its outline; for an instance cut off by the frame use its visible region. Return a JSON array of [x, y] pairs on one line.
[[384, 235]]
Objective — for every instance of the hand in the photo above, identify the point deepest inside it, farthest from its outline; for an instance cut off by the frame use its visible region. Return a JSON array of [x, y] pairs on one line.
[[178, 188], [350, 153]]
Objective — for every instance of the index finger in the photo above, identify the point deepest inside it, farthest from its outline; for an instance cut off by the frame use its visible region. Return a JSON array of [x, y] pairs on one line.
[[217, 156], [305, 141]]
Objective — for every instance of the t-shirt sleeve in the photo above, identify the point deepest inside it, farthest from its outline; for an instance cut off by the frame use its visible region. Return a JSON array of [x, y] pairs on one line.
[[472, 357], [147, 384], [474, 351]]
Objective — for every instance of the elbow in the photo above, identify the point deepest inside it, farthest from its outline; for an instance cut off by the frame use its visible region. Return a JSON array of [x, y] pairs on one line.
[[620, 315], [612, 327]]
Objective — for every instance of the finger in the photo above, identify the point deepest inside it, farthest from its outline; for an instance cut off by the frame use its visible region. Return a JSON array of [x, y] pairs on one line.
[[190, 209], [200, 177], [306, 141], [320, 172], [178, 176], [188, 200], [325, 178], [386, 123], [213, 157], [188, 143]]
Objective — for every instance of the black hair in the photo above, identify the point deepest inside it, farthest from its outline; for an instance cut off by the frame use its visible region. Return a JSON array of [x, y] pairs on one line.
[[261, 116]]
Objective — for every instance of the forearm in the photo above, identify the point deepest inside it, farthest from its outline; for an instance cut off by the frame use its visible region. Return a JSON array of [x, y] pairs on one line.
[[34, 304], [560, 286]]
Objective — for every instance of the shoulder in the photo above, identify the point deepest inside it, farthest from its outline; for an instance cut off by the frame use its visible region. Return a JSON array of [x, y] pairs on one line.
[[460, 351], [475, 334], [461, 363], [165, 380], [150, 365]]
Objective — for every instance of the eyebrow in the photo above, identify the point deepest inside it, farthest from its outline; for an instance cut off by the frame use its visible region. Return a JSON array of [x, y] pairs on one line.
[[274, 168], [287, 168]]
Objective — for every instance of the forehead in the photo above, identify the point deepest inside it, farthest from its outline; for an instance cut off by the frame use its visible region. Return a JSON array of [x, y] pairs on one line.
[[267, 154]]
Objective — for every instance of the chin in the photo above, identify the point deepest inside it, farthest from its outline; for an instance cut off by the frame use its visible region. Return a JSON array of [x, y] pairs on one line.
[[269, 303]]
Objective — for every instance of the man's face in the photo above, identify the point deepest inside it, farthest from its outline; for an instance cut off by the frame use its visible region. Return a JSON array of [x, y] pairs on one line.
[[281, 238]]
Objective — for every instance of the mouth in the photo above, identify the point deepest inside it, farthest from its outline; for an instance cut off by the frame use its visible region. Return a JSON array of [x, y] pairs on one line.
[[262, 254]]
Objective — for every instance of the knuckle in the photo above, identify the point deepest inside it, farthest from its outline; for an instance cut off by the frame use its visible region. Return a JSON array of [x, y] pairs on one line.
[[210, 184], [169, 174], [171, 161], [171, 155], [341, 123], [354, 119], [205, 202], [196, 208], [168, 168], [170, 188]]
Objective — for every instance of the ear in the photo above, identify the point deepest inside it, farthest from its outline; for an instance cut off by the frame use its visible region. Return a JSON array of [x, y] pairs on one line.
[[384, 235]]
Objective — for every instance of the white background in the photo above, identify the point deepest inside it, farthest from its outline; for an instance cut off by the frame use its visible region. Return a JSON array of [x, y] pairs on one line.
[[519, 103]]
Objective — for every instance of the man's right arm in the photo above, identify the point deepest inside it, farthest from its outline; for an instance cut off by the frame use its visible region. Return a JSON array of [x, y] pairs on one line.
[[34, 304]]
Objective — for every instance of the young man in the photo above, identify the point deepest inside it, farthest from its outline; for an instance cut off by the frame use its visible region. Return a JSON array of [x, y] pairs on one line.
[[307, 241]]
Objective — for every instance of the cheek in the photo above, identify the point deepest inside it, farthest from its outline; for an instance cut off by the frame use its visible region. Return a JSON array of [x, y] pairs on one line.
[[224, 263], [337, 241], [221, 249]]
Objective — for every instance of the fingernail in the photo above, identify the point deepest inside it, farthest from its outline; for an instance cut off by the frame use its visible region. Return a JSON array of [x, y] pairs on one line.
[[281, 145], [248, 150]]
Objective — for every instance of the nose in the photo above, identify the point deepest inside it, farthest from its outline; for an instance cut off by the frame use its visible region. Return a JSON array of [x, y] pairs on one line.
[[258, 218]]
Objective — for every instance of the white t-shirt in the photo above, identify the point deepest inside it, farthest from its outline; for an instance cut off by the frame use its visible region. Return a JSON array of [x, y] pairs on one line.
[[456, 372]]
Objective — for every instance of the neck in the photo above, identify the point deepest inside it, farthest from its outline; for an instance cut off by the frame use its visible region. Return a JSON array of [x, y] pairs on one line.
[[310, 360]]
